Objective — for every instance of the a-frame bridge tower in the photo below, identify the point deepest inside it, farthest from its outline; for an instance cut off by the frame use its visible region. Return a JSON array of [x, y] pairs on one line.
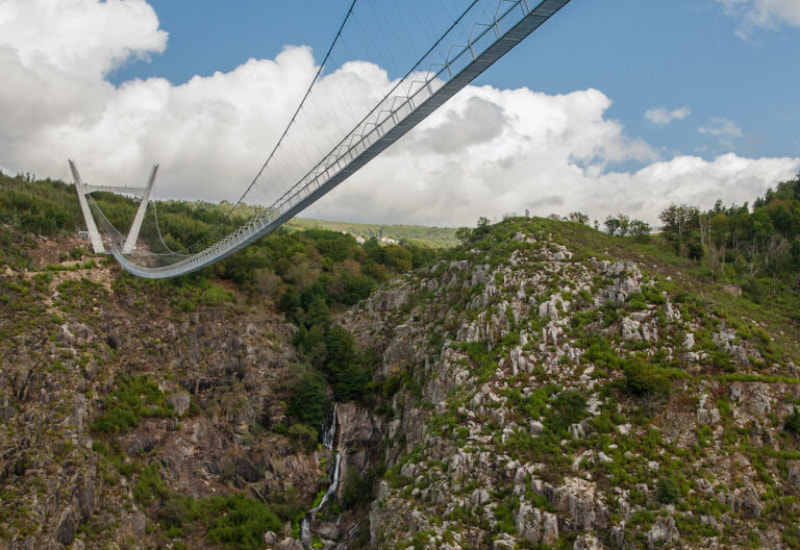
[[91, 226]]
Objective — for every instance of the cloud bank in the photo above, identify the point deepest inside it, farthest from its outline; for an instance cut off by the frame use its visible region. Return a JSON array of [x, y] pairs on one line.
[[488, 152]]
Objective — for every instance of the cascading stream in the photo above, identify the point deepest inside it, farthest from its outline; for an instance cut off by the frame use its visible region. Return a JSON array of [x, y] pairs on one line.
[[332, 487], [328, 441]]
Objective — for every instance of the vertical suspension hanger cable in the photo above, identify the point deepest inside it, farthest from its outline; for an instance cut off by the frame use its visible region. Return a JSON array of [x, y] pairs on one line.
[[299, 107], [233, 207]]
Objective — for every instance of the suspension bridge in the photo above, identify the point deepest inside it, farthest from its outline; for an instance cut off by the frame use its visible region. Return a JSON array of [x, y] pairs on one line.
[[477, 37]]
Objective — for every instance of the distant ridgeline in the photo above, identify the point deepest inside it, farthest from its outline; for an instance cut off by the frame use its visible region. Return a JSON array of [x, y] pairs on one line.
[[438, 237]]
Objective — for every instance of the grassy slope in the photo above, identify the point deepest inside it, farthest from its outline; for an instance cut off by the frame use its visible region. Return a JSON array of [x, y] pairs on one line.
[[778, 313]]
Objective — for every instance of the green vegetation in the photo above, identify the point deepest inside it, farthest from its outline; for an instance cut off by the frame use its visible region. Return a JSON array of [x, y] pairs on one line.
[[568, 408], [757, 248], [642, 379], [357, 489], [235, 521], [435, 237], [39, 207], [134, 398], [792, 422], [150, 486], [622, 225], [668, 490], [232, 521], [309, 401]]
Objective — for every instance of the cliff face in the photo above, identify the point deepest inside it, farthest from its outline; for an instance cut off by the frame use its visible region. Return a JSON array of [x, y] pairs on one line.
[[114, 398], [529, 394], [557, 400]]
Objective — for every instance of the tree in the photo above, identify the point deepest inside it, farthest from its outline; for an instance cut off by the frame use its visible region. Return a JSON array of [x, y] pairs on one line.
[[309, 401], [464, 234], [482, 228], [695, 251], [618, 225], [612, 225], [678, 222], [719, 234], [640, 230], [795, 252], [578, 217], [397, 258], [374, 250]]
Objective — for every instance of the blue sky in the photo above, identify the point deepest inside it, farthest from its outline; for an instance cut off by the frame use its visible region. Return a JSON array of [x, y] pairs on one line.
[[650, 102], [643, 55]]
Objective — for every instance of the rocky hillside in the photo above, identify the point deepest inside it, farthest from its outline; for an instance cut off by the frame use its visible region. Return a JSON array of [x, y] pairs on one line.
[[544, 385], [140, 415], [557, 397]]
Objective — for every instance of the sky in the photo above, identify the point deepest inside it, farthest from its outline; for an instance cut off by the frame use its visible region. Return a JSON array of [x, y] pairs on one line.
[[619, 106]]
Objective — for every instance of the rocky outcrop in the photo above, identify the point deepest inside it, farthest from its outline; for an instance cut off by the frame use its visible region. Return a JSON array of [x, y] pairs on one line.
[[473, 459]]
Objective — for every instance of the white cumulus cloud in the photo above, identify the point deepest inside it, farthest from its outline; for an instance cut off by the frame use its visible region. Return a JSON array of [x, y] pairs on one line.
[[80, 37], [549, 159], [488, 152], [661, 116], [721, 126], [762, 13]]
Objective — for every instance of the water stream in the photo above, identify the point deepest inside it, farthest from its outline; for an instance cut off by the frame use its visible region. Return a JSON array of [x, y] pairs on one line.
[[328, 441]]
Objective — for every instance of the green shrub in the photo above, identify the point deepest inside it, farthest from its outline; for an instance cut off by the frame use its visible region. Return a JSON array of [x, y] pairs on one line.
[[356, 288], [234, 521], [150, 486], [792, 422], [600, 353], [239, 521], [215, 296], [350, 378], [304, 435], [567, 408], [668, 490], [357, 489], [134, 398], [642, 379], [636, 302]]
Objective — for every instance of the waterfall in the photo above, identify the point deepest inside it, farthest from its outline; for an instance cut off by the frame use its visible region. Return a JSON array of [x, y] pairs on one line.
[[331, 488], [305, 532], [328, 441], [329, 432]]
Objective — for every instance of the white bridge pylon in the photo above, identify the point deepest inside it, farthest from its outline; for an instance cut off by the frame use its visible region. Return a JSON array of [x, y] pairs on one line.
[[94, 235], [481, 35]]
